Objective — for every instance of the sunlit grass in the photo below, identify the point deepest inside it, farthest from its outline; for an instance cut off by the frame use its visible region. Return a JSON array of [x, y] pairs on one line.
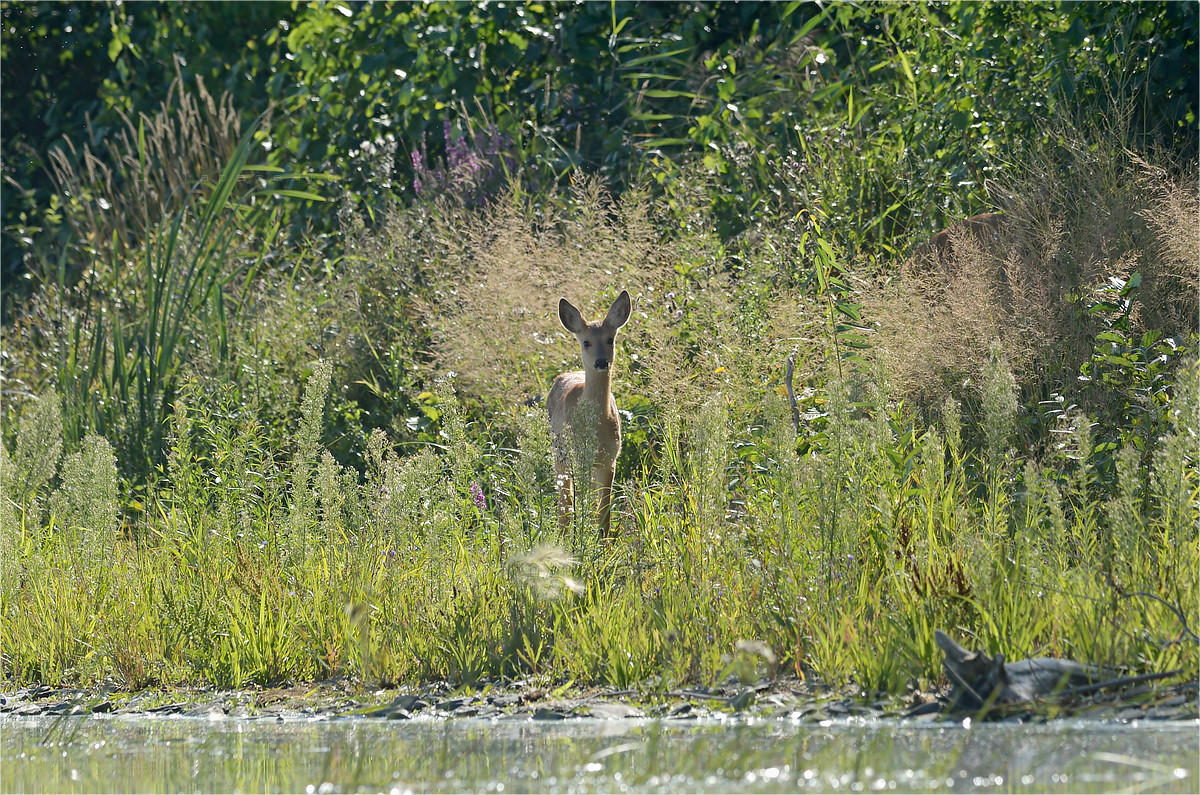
[[346, 476], [839, 563]]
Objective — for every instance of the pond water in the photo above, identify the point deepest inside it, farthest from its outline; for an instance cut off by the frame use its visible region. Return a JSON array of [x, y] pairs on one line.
[[140, 754]]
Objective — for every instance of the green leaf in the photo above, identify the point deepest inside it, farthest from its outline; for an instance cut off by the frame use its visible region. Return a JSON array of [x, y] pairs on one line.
[[663, 93], [849, 310], [908, 72], [657, 142], [298, 194], [651, 76], [658, 56]]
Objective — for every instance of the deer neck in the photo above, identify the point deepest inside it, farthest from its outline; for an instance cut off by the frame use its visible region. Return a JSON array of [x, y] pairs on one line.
[[597, 386]]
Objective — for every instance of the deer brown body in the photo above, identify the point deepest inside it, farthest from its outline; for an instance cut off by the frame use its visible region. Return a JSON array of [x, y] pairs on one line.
[[581, 407], [985, 228]]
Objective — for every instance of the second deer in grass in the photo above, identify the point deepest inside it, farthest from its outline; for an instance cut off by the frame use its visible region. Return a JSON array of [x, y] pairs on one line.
[[583, 414], [984, 230]]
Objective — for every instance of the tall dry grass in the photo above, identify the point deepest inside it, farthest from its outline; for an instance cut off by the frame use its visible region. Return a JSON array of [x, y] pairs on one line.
[[148, 166], [698, 328], [1090, 213], [494, 318]]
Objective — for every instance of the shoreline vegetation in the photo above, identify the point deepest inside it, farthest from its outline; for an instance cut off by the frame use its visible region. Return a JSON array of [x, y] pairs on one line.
[[276, 414]]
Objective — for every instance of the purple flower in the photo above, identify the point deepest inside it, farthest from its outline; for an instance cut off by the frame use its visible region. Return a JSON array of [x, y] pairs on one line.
[[477, 495], [470, 166], [418, 170]]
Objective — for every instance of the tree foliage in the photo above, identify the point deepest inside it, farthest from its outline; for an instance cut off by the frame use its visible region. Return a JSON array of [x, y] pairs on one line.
[[627, 90]]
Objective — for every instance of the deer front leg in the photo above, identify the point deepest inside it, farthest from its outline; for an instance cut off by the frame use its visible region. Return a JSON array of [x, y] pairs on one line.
[[602, 476]]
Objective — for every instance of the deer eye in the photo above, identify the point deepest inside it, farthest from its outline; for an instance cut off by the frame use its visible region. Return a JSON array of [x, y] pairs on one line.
[[587, 344], [610, 339]]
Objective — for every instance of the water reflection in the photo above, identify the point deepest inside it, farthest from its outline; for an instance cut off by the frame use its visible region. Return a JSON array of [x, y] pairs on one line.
[[116, 754]]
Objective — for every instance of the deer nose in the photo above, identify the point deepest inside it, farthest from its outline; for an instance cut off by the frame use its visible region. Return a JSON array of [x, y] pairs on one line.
[[602, 364]]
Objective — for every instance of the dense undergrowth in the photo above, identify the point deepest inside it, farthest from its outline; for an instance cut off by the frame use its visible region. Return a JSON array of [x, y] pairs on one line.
[[235, 455]]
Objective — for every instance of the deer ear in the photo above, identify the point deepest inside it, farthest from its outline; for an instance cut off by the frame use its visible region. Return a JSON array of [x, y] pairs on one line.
[[571, 319], [618, 313]]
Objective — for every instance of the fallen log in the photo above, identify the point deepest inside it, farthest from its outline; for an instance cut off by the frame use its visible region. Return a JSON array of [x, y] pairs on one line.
[[981, 682]]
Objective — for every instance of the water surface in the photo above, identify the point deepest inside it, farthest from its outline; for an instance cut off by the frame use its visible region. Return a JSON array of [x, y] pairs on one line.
[[140, 754]]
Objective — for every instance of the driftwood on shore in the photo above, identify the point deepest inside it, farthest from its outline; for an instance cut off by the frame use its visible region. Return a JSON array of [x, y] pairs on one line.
[[981, 682]]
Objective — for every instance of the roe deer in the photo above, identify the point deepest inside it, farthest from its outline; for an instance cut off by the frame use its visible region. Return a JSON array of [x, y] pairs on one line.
[[581, 407], [985, 229]]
